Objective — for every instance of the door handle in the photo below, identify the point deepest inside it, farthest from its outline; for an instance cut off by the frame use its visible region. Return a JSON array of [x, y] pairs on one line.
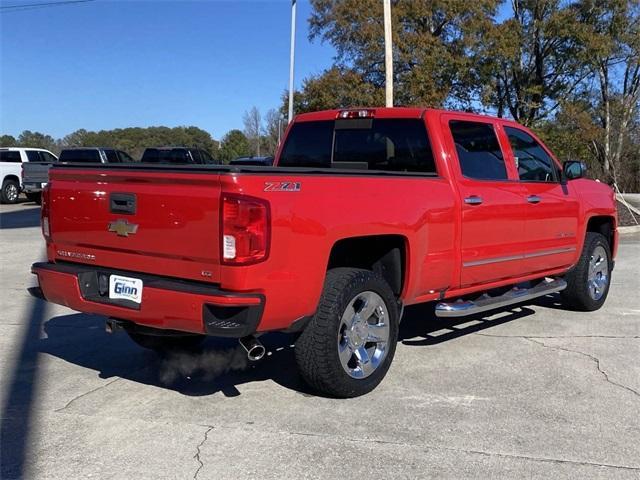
[[473, 200], [534, 199]]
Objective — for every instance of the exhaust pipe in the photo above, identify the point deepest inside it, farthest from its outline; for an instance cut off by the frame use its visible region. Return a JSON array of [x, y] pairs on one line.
[[255, 349], [112, 325]]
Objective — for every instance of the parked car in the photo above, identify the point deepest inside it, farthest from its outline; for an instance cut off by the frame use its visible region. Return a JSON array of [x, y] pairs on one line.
[[178, 155], [95, 155], [255, 161], [368, 211], [11, 161]]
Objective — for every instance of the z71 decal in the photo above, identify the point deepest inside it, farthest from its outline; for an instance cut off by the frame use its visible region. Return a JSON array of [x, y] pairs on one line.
[[282, 186]]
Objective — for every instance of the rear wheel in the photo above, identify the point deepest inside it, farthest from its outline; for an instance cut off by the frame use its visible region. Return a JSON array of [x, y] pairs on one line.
[[588, 282], [165, 343], [35, 197], [347, 347], [10, 191]]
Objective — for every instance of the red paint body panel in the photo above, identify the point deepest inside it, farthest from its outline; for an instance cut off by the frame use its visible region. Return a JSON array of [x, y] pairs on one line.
[[451, 247]]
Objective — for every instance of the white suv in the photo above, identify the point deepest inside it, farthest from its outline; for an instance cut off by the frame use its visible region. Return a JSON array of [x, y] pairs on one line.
[[11, 160]]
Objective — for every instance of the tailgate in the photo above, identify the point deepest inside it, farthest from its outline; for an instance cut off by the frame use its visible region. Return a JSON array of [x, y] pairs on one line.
[[164, 223], [35, 172]]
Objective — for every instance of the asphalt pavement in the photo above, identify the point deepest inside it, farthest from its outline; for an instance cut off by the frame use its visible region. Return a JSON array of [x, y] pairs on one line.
[[530, 392]]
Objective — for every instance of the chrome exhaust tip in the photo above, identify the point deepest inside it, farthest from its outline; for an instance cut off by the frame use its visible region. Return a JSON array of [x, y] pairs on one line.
[[255, 350]]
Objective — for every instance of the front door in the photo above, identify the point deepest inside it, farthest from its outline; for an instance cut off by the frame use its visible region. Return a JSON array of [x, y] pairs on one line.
[[551, 208]]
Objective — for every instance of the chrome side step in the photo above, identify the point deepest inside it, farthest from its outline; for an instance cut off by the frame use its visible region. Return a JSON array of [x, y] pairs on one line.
[[462, 308]]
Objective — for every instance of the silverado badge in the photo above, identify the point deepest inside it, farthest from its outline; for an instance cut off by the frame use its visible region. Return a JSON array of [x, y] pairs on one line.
[[123, 228]]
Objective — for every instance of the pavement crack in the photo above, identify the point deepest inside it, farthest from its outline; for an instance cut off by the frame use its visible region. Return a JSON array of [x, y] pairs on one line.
[[197, 455], [555, 336], [78, 397], [513, 456], [593, 358]]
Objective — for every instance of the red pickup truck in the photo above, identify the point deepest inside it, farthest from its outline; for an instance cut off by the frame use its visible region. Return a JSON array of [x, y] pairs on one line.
[[364, 212]]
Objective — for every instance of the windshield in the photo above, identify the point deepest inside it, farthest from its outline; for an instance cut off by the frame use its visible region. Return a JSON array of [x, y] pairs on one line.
[[399, 145]]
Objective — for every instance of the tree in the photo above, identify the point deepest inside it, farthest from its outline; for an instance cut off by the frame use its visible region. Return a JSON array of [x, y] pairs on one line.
[[135, 140], [253, 128], [8, 141], [430, 42], [36, 140], [272, 131], [531, 61], [335, 88], [613, 55], [233, 145]]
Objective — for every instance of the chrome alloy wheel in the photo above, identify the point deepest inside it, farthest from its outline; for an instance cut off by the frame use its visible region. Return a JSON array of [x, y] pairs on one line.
[[363, 335], [11, 192], [598, 276]]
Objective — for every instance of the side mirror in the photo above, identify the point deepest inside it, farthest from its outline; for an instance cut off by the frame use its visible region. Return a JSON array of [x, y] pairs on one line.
[[573, 169]]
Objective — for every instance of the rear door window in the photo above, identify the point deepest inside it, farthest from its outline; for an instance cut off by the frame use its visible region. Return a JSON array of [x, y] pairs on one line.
[[10, 156], [195, 155], [33, 156], [397, 145], [533, 162], [112, 156], [478, 150], [47, 157], [125, 157], [207, 158]]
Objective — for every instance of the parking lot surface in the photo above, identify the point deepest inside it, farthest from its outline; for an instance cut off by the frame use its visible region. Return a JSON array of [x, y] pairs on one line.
[[530, 392]]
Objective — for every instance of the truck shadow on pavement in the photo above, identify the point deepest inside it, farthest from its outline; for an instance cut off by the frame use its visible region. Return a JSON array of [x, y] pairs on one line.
[[26, 217], [220, 365]]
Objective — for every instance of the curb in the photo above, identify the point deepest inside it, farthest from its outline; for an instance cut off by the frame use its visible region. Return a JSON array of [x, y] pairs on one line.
[[629, 230]]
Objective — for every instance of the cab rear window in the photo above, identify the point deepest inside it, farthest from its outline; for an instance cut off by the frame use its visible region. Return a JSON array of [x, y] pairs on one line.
[[80, 155], [398, 145]]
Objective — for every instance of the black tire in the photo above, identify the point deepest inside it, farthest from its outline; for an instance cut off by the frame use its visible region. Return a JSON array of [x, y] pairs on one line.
[[317, 347], [35, 197], [577, 296], [166, 343], [10, 191]]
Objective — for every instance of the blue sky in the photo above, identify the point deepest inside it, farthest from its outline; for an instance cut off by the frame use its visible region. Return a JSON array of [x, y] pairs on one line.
[[115, 64]]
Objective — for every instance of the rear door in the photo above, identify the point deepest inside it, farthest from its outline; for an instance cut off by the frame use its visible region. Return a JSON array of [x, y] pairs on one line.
[[492, 231], [551, 209]]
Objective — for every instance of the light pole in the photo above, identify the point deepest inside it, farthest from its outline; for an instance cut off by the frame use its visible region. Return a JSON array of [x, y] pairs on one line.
[[291, 57], [388, 54]]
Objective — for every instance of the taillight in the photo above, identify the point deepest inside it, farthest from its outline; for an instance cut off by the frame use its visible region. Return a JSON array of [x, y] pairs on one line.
[[245, 230], [44, 212]]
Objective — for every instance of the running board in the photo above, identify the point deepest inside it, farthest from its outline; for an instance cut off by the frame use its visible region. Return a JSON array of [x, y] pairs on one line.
[[462, 308]]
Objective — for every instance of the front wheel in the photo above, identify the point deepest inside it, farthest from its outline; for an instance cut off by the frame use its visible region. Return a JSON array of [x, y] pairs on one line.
[[10, 191], [588, 282], [347, 347]]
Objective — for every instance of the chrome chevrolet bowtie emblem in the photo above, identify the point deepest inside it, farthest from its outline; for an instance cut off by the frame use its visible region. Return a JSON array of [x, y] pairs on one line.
[[123, 228]]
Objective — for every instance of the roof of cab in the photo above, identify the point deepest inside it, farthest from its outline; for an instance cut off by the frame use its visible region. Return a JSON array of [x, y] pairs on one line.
[[379, 112], [391, 112]]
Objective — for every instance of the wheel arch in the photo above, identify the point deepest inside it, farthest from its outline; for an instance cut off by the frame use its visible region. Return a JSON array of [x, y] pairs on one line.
[[11, 177], [386, 254], [606, 226]]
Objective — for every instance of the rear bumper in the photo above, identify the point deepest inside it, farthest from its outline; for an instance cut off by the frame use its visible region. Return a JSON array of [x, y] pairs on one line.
[[32, 187], [167, 303]]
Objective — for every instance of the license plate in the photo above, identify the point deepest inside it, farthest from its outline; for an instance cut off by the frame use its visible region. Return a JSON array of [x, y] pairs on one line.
[[125, 288]]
